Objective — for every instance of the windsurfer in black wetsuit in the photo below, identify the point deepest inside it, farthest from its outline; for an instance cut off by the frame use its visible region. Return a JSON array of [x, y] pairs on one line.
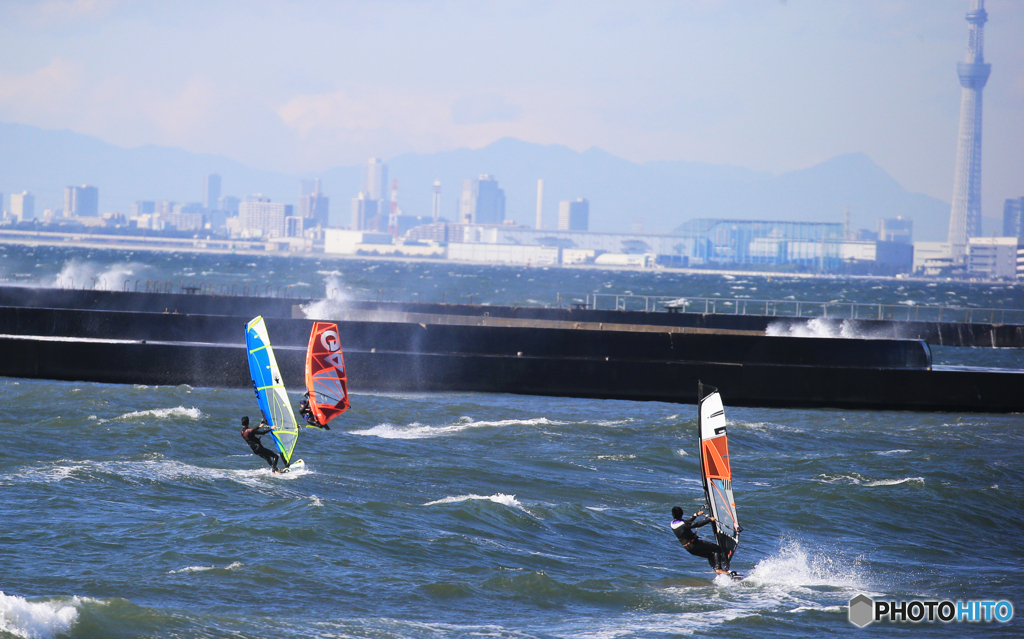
[[251, 437], [683, 528], [307, 412]]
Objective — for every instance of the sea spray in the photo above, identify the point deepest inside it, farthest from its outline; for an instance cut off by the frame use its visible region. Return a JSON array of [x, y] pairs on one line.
[[78, 274]]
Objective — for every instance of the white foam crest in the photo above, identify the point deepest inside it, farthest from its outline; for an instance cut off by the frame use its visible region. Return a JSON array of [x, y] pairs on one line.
[[164, 413], [416, 430], [898, 451], [151, 470], [52, 473], [854, 478], [188, 569], [613, 422], [498, 498], [895, 482], [765, 427], [857, 479], [36, 620]]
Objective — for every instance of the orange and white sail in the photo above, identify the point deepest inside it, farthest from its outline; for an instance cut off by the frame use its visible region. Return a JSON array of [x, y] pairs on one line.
[[716, 470], [326, 381]]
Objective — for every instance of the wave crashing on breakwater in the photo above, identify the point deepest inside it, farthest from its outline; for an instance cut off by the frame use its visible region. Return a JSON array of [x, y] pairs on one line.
[[836, 329]]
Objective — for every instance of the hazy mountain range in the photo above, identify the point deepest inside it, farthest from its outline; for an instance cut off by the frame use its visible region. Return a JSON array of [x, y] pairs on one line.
[[623, 195]]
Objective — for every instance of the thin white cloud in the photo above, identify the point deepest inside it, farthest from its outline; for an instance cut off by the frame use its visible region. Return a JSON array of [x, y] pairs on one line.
[[307, 86], [49, 13]]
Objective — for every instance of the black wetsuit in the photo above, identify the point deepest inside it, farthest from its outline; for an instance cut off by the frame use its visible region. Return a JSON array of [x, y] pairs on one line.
[[307, 413], [251, 437], [683, 528]]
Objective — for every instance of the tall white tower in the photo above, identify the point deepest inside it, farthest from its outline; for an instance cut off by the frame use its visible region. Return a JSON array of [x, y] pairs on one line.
[[965, 217], [437, 200], [540, 204]]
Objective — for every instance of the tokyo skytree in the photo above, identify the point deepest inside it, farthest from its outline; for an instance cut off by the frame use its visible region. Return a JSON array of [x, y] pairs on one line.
[[965, 217]]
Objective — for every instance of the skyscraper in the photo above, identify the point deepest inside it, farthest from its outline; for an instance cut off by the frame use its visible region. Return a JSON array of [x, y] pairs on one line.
[[375, 179], [259, 217], [540, 204], [482, 202], [365, 213], [81, 201], [23, 206], [1013, 217], [309, 187], [965, 216], [573, 216], [370, 205], [211, 191], [313, 205], [436, 204]]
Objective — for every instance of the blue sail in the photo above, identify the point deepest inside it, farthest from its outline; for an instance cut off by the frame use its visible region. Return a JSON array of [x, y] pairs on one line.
[[270, 391]]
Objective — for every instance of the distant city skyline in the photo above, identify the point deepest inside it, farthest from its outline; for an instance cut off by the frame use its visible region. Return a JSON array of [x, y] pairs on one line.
[[772, 86]]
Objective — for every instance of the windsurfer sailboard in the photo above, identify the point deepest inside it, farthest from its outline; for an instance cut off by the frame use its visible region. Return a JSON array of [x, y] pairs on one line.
[[716, 477], [270, 392], [716, 473], [326, 382]]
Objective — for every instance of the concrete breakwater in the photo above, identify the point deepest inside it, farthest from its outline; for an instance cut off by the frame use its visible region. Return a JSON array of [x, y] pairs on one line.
[[936, 333], [204, 349]]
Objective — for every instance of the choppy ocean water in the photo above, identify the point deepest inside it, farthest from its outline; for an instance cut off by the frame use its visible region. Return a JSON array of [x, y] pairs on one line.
[[139, 512], [437, 281], [135, 511]]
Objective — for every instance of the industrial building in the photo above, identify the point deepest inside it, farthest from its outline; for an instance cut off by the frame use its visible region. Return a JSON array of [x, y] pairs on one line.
[[992, 257]]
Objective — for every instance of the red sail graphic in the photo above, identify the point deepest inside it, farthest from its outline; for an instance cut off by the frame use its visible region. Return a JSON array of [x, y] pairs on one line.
[[326, 381]]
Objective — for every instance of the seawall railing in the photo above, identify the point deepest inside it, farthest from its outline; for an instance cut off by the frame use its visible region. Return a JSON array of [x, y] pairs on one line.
[[905, 312]]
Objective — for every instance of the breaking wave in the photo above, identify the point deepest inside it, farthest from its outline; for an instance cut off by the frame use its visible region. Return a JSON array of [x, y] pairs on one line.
[[498, 498], [416, 430], [164, 413], [36, 620]]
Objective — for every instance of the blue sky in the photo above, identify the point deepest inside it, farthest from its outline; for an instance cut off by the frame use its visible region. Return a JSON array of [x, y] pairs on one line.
[[297, 86]]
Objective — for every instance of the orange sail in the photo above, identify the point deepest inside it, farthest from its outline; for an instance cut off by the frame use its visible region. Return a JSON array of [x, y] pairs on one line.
[[326, 381]]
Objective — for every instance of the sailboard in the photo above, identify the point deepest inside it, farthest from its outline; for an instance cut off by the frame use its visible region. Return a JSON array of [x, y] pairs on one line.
[[716, 471], [326, 381], [298, 464], [270, 391]]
